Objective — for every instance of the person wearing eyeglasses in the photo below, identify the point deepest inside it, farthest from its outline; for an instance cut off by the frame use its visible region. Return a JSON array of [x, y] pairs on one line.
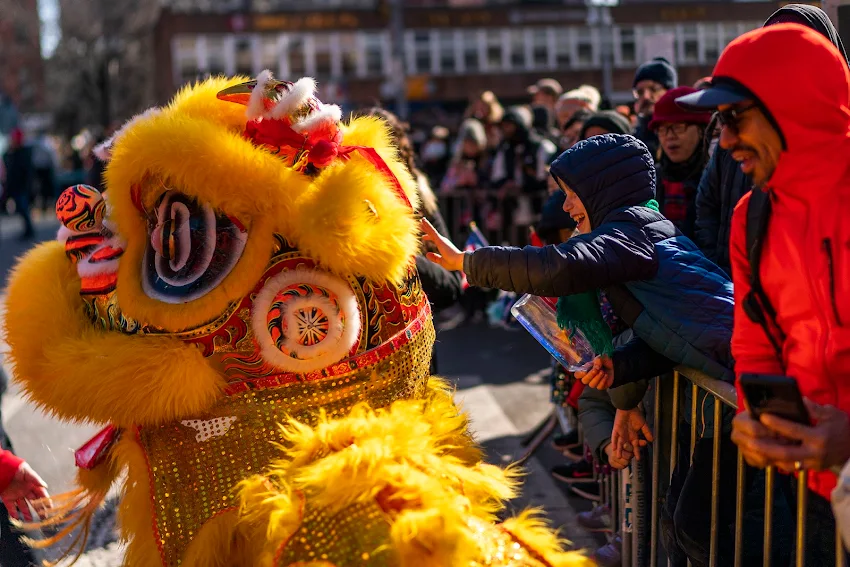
[[652, 80], [683, 158], [792, 286], [723, 183]]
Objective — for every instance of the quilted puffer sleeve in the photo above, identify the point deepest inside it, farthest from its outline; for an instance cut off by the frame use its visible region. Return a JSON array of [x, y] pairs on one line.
[[617, 252]]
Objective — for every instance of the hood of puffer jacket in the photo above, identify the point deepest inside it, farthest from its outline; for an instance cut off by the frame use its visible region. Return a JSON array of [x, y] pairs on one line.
[[607, 173], [806, 91], [811, 17]]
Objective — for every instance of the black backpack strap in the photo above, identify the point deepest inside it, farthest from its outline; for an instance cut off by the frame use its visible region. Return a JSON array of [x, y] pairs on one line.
[[757, 305]]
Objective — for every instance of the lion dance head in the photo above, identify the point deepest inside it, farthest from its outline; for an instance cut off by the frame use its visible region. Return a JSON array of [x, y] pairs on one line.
[[241, 311]]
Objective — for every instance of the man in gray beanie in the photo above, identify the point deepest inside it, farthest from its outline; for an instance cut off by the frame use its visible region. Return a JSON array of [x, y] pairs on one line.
[[652, 80]]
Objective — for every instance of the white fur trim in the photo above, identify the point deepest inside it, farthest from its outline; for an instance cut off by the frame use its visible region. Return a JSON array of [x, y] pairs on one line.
[[341, 309], [64, 234], [326, 114], [256, 107], [297, 97], [85, 269]]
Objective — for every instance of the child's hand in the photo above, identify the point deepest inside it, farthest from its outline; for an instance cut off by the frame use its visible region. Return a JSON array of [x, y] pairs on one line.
[[628, 425], [447, 256], [616, 462], [26, 486], [600, 375]]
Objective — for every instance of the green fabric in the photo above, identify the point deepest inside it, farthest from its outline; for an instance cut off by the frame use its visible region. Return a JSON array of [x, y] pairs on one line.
[[581, 311], [651, 204]]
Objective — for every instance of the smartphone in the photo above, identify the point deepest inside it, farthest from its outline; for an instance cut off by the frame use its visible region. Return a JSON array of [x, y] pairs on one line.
[[775, 394]]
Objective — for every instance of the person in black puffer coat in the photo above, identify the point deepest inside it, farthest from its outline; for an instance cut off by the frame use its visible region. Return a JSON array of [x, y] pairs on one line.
[[721, 187]]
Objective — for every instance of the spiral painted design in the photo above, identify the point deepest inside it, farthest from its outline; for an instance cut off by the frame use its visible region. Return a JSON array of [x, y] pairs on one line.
[[81, 208]]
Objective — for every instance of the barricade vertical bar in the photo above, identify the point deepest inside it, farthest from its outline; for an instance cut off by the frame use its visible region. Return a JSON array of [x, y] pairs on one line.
[[656, 463], [802, 505], [839, 548], [770, 473], [715, 483], [694, 395], [674, 436], [739, 511]]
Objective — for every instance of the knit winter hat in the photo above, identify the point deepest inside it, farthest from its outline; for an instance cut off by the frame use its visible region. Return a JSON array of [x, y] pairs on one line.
[[666, 110], [610, 120], [659, 70]]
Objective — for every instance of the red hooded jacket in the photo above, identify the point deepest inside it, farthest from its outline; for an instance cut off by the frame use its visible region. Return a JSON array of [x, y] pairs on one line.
[[804, 82]]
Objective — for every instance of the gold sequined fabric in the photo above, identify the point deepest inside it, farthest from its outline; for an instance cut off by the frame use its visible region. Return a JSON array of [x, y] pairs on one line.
[[355, 536], [499, 548], [196, 463]]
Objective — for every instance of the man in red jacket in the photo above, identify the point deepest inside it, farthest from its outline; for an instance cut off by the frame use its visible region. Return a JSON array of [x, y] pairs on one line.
[[795, 144]]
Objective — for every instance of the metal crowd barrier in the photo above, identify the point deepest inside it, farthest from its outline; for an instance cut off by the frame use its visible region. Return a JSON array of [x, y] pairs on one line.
[[622, 490]]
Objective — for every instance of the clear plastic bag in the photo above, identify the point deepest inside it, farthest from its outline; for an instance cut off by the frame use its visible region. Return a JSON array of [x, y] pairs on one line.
[[538, 315]]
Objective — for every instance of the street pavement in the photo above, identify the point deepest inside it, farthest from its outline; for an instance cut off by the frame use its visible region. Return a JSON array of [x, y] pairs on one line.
[[501, 382]]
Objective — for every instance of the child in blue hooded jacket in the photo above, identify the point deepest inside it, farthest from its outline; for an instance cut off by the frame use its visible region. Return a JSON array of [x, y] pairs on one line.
[[678, 304]]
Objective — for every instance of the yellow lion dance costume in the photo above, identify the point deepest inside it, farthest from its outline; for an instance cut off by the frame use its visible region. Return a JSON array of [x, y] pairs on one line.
[[241, 311]]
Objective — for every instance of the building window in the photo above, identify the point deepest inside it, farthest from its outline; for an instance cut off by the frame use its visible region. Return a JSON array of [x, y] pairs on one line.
[[469, 43], [244, 56], [539, 48], [563, 48], [348, 54], [516, 44], [626, 46], [730, 32], [711, 34], [185, 59], [494, 49], [422, 51], [373, 51], [688, 43], [585, 47], [296, 56], [322, 43], [270, 54], [446, 50], [22, 35], [216, 56]]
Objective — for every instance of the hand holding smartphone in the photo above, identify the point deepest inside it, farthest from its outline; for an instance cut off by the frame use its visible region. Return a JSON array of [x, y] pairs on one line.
[[774, 394]]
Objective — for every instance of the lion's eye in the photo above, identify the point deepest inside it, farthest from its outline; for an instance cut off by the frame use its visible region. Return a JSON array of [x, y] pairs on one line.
[[191, 249]]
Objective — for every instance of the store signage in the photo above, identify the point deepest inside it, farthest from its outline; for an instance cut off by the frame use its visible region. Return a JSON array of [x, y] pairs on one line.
[[682, 14], [307, 22], [451, 18], [546, 17], [415, 18]]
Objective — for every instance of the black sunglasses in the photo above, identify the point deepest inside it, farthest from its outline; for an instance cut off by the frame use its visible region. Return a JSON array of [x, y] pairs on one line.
[[730, 117]]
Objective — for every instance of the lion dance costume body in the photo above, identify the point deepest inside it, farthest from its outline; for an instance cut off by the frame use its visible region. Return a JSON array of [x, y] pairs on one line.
[[241, 311]]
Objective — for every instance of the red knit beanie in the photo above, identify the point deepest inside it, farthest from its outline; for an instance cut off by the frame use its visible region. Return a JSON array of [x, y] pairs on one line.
[[666, 109]]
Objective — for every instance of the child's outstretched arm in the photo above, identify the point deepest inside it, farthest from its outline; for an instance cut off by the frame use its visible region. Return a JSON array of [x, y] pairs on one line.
[[617, 252]]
